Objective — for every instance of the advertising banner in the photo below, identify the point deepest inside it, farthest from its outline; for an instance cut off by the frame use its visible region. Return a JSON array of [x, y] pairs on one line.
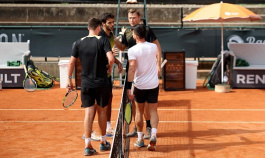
[[12, 77], [248, 79]]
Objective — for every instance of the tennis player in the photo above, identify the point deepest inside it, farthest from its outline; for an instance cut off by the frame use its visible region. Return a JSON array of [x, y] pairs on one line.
[[128, 41], [107, 20], [94, 52], [143, 73]]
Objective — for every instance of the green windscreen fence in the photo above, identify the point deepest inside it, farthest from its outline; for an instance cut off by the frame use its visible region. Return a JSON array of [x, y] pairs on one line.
[[57, 41]]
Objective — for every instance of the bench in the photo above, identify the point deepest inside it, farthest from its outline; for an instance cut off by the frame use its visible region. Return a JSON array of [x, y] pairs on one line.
[[252, 76], [13, 76]]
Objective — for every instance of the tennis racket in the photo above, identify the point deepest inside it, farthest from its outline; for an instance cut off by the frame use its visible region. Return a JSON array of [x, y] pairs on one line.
[[70, 98], [128, 109], [128, 113], [29, 83], [50, 76], [206, 80]]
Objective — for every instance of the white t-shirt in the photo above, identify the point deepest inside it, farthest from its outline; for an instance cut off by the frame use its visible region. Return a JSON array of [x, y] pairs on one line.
[[145, 73]]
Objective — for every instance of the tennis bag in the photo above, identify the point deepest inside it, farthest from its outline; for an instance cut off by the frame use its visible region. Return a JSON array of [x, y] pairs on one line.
[[215, 77], [41, 80]]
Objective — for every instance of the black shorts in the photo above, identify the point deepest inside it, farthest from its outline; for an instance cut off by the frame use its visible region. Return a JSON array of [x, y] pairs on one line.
[[146, 95], [110, 83], [90, 95]]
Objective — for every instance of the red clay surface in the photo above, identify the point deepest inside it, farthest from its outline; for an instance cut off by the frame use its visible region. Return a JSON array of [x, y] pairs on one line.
[[193, 123]]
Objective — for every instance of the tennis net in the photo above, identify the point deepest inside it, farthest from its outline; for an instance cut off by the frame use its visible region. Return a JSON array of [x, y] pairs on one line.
[[120, 144]]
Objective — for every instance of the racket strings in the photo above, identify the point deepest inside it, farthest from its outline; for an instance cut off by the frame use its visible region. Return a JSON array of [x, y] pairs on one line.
[[128, 113], [70, 98], [29, 84]]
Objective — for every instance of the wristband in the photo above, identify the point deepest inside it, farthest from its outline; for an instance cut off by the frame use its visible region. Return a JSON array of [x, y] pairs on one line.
[[128, 85], [70, 77]]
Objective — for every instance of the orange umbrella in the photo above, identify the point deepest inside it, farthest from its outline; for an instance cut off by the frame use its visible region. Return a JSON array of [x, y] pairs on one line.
[[221, 12]]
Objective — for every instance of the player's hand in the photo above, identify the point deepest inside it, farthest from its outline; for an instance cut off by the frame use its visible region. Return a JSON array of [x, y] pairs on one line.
[[115, 51], [69, 85], [109, 70], [130, 96]]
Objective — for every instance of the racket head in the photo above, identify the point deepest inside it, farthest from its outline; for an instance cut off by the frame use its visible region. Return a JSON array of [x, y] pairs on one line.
[[29, 84], [70, 98], [128, 113]]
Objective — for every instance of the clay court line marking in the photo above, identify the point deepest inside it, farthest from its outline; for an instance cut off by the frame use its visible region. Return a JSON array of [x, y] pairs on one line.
[[118, 109], [211, 109], [218, 122], [206, 122]]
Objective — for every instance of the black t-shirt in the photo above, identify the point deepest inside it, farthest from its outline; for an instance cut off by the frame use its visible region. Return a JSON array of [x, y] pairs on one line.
[[110, 37], [111, 41], [92, 53], [128, 41]]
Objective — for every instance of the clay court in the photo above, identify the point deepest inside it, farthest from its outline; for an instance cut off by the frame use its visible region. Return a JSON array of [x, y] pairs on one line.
[[193, 123]]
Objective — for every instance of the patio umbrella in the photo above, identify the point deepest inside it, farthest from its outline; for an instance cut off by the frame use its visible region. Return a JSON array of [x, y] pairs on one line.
[[221, 12]]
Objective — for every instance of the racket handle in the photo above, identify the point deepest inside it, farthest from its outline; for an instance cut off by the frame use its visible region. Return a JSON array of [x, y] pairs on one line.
[[163, 63], [25, 69], [46, 73]]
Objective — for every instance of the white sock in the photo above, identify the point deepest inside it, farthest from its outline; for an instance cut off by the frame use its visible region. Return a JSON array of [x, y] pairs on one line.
[[87, 141], [154, 130], [140, 135], [108, 125], [103, 138]]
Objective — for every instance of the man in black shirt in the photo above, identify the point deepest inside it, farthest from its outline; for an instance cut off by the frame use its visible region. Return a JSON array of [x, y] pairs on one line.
[[107, 20], [128, 41], [94, 52]]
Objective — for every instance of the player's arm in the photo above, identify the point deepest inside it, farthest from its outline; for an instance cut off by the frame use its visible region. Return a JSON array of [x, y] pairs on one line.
[[70, 71], [111, 60], [109, 54], [158, 56], [116, 60], [118, 44], [119, 65], [131, 72]]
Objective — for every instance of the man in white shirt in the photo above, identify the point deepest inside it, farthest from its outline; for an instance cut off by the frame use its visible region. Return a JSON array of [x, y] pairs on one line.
[[128, 41], [143, 73]]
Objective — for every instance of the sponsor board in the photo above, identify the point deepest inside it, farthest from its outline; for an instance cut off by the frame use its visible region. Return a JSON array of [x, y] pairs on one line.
[[248, 79], [12, 77]]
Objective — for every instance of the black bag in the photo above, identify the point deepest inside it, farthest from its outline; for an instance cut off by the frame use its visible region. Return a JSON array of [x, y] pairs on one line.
[[215, 75]]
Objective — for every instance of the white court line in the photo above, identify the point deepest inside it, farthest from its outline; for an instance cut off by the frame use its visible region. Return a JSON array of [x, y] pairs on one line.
[[206, 122], [217, 122], [118, 109], [41, 109], [211, 109]]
